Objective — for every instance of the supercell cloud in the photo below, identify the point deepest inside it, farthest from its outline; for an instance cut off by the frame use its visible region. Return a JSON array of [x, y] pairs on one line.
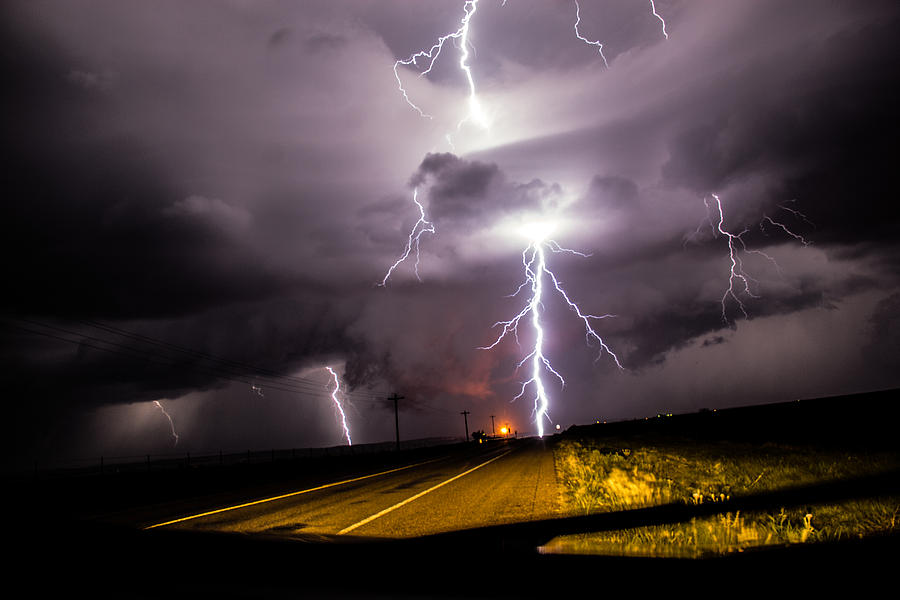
[[231, 181]]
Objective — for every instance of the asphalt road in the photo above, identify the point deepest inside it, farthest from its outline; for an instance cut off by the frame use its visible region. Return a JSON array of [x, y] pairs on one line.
[[501, 484], [456, 522]]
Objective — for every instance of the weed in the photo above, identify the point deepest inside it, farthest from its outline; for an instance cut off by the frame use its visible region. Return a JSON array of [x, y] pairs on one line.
[[595, 479]]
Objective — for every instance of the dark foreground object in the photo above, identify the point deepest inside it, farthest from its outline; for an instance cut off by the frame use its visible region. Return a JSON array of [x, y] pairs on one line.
[[102, 562], [868, 420], [59, 551]]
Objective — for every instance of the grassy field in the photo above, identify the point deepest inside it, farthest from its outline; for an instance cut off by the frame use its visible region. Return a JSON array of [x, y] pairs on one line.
[[621, 474]]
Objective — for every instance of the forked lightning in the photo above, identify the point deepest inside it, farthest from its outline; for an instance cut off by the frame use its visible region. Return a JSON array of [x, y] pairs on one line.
[[739, 281], [534, 261], [421, 227]]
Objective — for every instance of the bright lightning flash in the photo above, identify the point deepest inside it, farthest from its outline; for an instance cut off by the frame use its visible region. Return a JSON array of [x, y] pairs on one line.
[[339, 405], [169, 417], [424, 61], [661, 20], [534, 261], [739, 281], [421, 227], [428, 57]]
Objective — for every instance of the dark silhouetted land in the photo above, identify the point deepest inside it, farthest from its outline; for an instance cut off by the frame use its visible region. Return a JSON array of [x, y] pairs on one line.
[[444, 534]]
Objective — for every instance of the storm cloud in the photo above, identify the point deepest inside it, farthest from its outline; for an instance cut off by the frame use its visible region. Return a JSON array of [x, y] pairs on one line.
[[203, 198]]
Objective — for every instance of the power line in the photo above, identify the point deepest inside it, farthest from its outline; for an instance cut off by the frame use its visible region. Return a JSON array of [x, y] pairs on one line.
[[257, 370], [270, 374], [144, 355], [227, 369]]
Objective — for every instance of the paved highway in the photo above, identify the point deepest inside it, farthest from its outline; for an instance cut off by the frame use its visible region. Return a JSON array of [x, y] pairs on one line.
[[506, 483], [460, 522]]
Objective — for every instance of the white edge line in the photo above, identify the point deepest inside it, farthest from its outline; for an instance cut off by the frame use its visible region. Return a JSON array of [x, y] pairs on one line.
[[419, 495], [321, 487]]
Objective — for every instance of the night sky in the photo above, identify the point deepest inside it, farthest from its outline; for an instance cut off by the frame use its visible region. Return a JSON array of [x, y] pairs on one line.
[[190, 183]]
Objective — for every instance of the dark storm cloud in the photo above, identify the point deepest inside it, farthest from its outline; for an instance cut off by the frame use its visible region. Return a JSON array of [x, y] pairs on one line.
[[314, 42], [827, 134], [224, 351], [280, 36], [791, 119], [474, 192], [324, 41], [120, 242], [235, 180], [611, 193], [713, 341], [884, 349], [105, 221], [99, 228]]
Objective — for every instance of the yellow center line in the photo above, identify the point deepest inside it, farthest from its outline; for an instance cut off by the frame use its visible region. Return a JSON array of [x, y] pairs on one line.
[[419, 495], [321, 487]]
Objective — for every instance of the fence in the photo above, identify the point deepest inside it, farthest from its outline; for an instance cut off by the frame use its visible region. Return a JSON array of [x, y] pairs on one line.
[[156, 462]]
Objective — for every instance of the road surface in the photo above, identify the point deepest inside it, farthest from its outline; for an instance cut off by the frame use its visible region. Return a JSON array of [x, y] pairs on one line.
[[506, 483], [464, 522]]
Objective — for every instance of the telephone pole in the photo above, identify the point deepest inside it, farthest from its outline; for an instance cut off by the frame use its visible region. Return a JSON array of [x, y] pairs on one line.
[[465, 415], [492, 426], [395, 397]]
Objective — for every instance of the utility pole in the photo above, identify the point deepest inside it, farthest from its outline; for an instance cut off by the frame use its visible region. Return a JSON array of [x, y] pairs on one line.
[[492, 426], [395, 397], [465, 415]]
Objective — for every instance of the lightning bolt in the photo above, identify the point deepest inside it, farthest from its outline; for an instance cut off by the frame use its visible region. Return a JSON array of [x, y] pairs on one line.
[[424, 61], [169, 417], [597, 43], [534, 261], [584, 39], [421, 227], [739, 281], [339, 405], [783, 227], [661, 20], [430, 56]]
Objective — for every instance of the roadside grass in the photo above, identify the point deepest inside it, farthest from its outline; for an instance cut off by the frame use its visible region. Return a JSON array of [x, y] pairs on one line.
[[615, 475]]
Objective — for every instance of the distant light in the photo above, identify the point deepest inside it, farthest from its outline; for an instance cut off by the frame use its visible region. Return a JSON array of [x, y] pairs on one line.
[[504, 430], [478, 114], [538, 231], [557, 426]]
